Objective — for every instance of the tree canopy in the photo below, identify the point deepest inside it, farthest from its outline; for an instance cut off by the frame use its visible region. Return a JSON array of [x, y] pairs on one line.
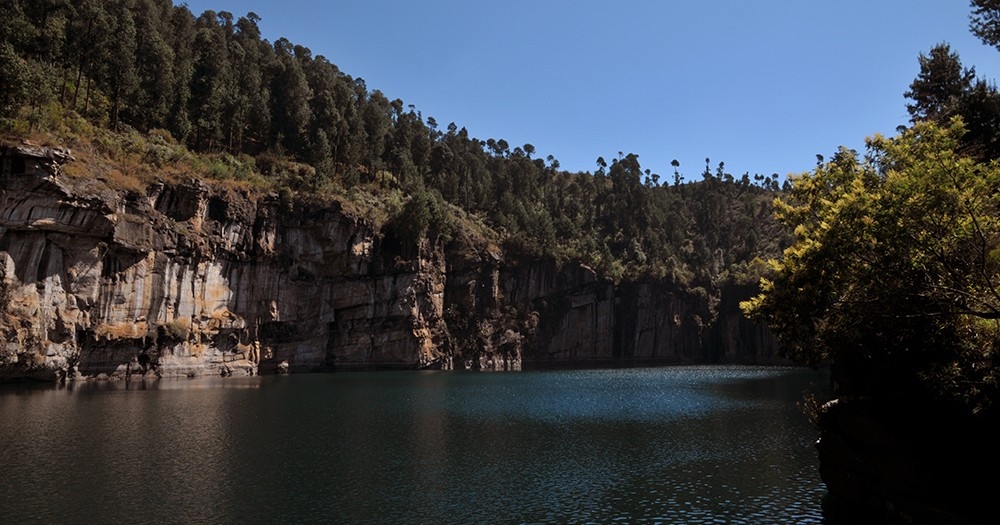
[[944, 89], [893, 276], [210, 83], [894, 273], [985, 21]]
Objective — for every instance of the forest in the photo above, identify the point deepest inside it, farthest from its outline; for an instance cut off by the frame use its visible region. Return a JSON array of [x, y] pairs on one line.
[[873, 256], [160, 90]]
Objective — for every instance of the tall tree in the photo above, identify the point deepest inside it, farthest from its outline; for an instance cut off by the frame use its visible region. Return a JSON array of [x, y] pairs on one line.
[[894, 275], [181, 37], [939, 86], [149, 104], [86, 38], [14, 82], [211, 82], [16, 28], [944, 89], [985, 21], [326, 119], [120, 76], [249, 110], [377, 117], [290, 96]]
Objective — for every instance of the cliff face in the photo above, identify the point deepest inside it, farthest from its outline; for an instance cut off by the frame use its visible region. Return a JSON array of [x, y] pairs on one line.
[[187, 280]]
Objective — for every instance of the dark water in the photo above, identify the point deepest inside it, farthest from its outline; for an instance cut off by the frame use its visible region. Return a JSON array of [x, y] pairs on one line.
[[657, 445]]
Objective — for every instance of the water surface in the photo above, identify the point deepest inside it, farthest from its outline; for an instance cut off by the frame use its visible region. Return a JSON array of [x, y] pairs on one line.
[[651, 445]]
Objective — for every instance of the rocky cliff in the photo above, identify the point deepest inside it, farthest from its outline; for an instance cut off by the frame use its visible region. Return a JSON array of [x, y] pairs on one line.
[[188, 279]]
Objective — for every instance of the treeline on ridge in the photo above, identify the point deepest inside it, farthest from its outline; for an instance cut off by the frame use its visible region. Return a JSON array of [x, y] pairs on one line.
[[212, 84]]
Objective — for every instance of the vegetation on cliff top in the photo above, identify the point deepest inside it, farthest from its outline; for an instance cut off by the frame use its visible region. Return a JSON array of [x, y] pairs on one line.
[[892, 276], [144, 89]]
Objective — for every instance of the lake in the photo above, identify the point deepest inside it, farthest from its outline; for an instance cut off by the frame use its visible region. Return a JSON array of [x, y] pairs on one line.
[[686, 445]]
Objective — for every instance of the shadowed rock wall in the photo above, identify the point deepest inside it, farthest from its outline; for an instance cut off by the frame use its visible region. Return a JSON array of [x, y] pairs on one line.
[[187, 280]]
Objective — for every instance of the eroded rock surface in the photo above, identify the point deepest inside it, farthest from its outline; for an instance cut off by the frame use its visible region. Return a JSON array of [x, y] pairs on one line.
[[190, 280]]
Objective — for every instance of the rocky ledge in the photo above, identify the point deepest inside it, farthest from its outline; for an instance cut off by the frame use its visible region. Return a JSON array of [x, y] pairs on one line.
[[188, 279]]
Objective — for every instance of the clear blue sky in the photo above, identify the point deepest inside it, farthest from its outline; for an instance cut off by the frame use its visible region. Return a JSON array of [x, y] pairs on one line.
[[763, 86]]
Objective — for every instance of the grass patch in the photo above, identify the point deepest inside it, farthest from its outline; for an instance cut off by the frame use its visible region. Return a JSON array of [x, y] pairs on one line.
[[130, 161], [176, 330]]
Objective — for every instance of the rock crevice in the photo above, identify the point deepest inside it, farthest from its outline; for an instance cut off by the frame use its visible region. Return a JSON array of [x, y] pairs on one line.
[[190, 280]]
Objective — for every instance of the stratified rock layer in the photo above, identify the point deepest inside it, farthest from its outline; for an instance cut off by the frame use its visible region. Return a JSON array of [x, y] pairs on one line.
[[189, 280]]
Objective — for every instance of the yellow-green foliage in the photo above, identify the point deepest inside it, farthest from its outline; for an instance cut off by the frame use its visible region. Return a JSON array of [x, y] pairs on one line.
[[891, 271]]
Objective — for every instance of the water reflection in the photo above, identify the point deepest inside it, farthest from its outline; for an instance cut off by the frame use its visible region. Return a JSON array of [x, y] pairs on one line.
[[669, 445]]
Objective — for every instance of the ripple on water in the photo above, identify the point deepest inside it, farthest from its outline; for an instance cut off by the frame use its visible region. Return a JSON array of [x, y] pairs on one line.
[[683, 445]]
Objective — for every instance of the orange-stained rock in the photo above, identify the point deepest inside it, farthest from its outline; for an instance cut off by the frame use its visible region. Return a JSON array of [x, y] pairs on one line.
[[191, 280]]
